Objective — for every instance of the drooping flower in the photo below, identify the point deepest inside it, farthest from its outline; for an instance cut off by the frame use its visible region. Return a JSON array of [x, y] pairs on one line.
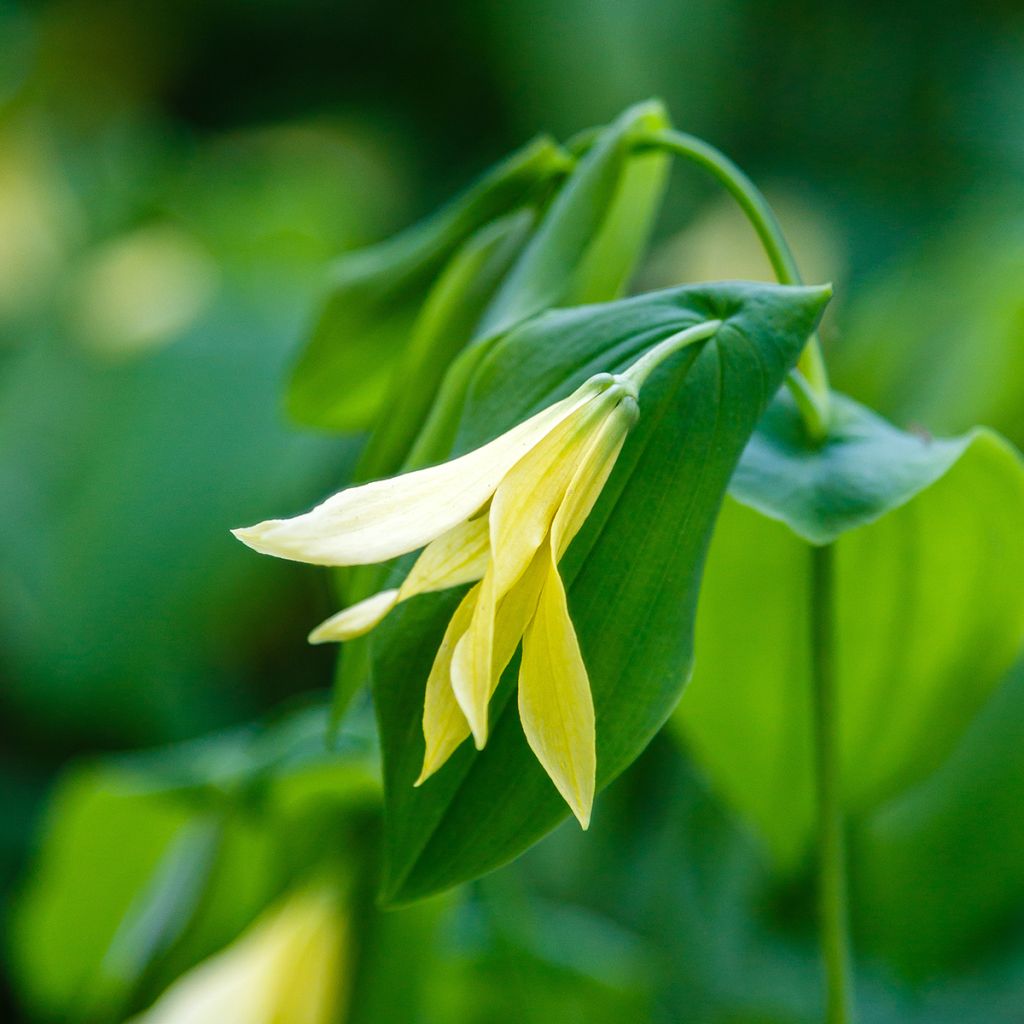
[[500, 517], [287, 967]]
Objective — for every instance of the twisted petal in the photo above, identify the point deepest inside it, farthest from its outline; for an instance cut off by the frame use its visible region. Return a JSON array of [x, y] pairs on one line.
[[377, 521], [522, 511], [444, 724], [458, 556], [555, 705]]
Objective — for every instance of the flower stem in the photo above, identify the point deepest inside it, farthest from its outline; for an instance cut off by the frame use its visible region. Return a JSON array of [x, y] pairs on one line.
[[809, 382], [832, 909], [642, 368]]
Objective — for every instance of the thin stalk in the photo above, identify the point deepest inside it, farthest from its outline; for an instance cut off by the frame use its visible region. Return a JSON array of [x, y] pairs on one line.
[[638, 373], [809, 382], [832, 909]]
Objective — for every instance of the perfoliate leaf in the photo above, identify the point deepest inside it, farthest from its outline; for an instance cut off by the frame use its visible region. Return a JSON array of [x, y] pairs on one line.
[[374, 295], [929, 611], [585, 249], [633, 572]]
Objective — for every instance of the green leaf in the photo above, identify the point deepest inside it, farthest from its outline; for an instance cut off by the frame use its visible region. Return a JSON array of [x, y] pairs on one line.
[[374, 295], [587, 247], [633, 572], [863, 469], [103, 843], [929, 611]]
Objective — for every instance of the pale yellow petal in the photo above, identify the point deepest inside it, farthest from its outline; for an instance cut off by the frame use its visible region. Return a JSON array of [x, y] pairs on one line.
[[521, 514], [472, 675], [591, 475], [459, 556], [530, 494], [456, 557], [444, 724], [377, 521], [515, 611], [555, 704], [355, 620]]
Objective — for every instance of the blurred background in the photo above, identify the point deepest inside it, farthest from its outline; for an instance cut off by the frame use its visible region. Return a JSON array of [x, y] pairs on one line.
[[174, 178]]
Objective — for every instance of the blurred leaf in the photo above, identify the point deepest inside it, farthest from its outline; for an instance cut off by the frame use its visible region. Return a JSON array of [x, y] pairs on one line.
[[103, 842], [697, 412], [157, 916], [401, 959], [589, 242], [929, 612], [374, 294], [569, 964], [940, 869], [152, 862]]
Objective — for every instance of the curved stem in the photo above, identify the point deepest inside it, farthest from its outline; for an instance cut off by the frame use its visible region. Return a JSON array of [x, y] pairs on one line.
[[638, 373], [809, 383], [832, 910]]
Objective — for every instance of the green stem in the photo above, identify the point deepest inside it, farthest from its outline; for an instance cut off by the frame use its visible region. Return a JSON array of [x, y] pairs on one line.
[[809, 382], [832, 910], [642, 368]]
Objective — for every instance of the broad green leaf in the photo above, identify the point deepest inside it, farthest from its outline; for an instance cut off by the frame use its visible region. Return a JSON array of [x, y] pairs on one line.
[[633, 571], [374, 295], [589, 242], [929, 611], [864, 468]]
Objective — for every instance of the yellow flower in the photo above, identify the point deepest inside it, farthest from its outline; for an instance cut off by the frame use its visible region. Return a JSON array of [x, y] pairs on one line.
[[500, 517], [287, 967]]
